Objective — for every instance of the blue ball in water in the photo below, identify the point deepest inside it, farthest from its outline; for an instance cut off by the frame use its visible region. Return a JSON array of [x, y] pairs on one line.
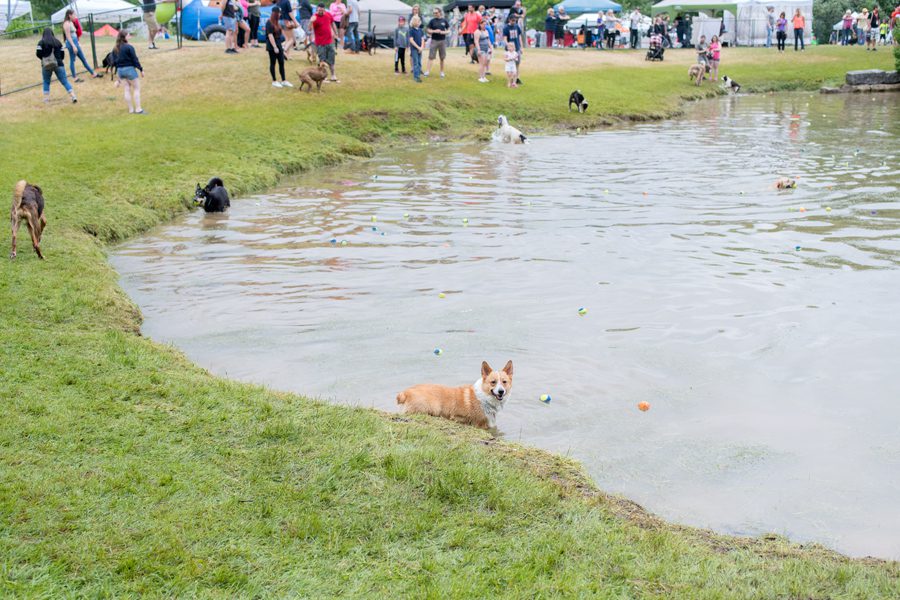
[[545, 398], [438, 351], [333, 240]]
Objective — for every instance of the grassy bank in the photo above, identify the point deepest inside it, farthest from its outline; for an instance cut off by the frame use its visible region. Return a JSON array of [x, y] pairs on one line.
[[126, 470]]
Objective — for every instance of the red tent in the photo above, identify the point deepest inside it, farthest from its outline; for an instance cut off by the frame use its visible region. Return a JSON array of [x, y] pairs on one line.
[[106, 30]]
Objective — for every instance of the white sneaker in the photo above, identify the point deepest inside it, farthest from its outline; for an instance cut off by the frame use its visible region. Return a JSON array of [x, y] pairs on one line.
[[276, 84], [482, 80], [426, 73], [442, 74], [287, 84]]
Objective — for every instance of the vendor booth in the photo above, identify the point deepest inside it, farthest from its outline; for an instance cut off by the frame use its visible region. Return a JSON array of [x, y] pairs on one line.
[[745, 20]]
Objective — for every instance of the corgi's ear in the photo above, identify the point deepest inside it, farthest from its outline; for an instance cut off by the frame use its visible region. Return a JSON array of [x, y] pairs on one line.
[[485, 369], [508, 369]]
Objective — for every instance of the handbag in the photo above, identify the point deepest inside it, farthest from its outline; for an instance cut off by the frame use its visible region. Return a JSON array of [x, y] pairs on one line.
[[49, 62]]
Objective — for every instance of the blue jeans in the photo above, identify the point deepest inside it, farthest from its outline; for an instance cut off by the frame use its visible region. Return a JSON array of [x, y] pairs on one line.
[[769, 31], [76, 51], [798, 39], [353, 32], [60, 74], [416, 57], [860, 36], [845, 36]]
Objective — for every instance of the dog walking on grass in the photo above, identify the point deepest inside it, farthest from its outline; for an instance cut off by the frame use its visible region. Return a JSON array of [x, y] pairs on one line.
[[28, 205]]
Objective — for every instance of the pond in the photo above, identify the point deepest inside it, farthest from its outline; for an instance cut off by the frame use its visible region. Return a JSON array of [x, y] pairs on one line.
[[762, 326]]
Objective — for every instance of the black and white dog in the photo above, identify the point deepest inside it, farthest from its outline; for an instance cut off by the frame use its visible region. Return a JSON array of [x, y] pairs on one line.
[[578, 100], [730, 84], [213, 197]]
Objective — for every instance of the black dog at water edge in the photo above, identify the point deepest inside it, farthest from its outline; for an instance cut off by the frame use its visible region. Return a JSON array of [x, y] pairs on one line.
[[213, 197], [578, 100]]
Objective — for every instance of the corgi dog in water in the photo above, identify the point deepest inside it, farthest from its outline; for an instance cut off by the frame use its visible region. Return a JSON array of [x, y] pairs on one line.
[[476, 404]]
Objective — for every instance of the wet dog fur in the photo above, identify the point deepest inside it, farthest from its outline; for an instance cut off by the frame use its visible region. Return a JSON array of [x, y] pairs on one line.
[[508, 133], [213, 197], [696, 72], [475, 404], [28, 206]]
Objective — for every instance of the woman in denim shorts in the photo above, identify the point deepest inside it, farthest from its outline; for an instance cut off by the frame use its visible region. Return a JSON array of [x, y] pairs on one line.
[[230, 8], [127, 67]]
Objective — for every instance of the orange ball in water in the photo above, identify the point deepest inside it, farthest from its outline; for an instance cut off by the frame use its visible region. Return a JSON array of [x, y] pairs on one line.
[[644, 406]]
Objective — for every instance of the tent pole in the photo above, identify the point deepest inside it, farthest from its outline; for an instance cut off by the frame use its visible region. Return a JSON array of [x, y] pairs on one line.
[[93, 39]]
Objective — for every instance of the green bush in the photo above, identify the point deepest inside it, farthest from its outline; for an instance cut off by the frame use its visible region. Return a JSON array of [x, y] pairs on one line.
[[897, 48], [21, 27], [825, 14]]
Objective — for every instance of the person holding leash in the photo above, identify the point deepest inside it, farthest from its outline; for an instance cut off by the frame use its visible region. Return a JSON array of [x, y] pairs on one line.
[[71, 34], [324, 35]]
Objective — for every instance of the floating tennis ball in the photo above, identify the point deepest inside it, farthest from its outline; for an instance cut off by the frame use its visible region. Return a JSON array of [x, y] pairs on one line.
[[827, 209], [606, 192], [465, 221], [374, 218], [643, 406], [545, 398], [582, 311], [405, 215], [438, 351], [442, 295], [343, 242]]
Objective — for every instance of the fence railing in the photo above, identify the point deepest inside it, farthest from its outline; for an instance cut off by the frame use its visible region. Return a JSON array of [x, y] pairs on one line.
[[91, 23]]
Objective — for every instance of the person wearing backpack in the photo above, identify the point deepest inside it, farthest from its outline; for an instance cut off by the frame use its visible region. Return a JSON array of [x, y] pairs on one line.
[[52, 56]]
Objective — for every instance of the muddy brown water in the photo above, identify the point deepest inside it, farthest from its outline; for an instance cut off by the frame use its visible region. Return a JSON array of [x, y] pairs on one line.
[[761, 326]]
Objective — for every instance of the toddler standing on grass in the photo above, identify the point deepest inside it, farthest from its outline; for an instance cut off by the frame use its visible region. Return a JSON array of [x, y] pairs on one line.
[[416, 46], [401, 41], [511, 58]]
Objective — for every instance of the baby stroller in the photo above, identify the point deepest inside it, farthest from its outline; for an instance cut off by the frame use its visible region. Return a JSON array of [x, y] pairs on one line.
[[656, 50]]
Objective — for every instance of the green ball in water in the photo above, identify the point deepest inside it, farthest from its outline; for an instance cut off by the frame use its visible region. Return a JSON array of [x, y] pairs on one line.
[[545, 398], [405, 215], [343, 242], [582, 311]]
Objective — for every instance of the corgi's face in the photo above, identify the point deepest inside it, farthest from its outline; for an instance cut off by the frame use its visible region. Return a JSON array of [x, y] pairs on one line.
[[496, 383]]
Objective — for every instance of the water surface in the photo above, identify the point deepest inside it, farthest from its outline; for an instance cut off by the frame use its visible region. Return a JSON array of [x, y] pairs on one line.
[[762, 326]]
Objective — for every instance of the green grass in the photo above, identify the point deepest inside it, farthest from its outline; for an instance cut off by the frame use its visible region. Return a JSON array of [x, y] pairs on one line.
[[125, 470]]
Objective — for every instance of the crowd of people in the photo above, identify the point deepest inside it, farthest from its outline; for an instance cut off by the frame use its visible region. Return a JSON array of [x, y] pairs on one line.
[[865, 27], [322, 30]]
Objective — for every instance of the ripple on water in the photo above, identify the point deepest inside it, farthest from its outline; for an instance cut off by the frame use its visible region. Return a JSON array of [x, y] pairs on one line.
[[760, 325]]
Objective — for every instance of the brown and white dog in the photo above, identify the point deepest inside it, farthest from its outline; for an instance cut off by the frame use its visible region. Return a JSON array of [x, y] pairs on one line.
[[313, 76], [28, 204], [475, 404]]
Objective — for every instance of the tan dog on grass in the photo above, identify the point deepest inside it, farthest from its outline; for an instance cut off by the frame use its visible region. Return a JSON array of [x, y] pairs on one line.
[[475, 404], [696, 73], [28, 205], [313, 75]]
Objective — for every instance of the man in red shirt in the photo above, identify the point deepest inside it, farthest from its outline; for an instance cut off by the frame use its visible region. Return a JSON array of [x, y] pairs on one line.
[[324, 34]]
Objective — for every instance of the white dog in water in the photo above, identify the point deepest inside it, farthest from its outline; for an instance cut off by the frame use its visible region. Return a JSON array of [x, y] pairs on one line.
[[507, 133]]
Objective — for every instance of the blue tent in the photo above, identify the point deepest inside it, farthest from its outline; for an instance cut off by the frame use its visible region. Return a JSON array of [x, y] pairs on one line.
[[574, 7]]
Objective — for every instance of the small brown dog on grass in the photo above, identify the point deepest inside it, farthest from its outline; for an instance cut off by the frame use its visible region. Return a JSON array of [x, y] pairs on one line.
[[696, 73], [475, 404], [28, 204], [313, 74]]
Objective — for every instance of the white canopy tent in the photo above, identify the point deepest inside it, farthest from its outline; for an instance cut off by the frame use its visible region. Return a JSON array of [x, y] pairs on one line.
[[104, 11], [381, 15], [745, 20], [11, 9]]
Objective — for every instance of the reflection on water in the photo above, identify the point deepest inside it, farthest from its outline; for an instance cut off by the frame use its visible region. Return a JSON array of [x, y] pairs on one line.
[[761, 325]]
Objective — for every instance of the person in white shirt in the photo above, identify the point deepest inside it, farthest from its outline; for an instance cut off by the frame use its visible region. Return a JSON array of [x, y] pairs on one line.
[[635, 24]]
